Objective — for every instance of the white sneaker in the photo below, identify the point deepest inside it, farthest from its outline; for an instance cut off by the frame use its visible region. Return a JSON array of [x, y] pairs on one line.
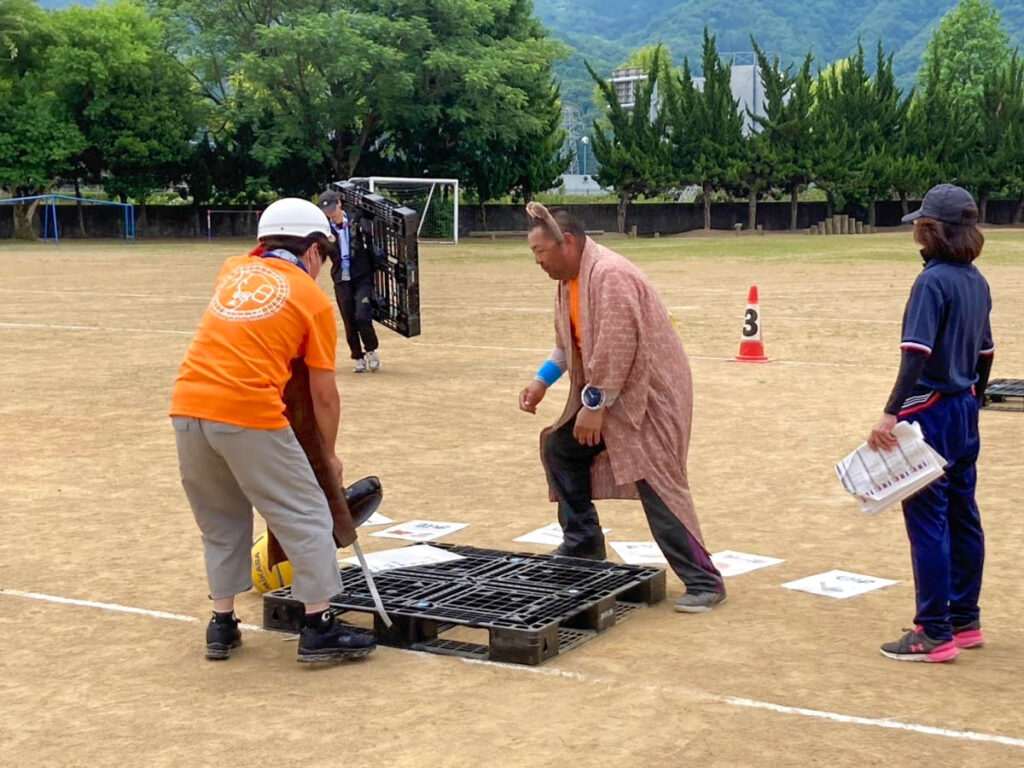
[[360, 366], [372, 361]]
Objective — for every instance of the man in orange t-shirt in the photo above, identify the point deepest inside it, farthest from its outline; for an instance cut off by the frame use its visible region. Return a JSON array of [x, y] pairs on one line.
[[236, 449]]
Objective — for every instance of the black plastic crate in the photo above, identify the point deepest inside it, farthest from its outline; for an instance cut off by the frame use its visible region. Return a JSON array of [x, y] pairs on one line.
[[1004, 395], [533, 607], [396, 286]]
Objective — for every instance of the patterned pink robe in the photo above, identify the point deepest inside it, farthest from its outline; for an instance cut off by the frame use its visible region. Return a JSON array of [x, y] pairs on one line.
[[629, 345]]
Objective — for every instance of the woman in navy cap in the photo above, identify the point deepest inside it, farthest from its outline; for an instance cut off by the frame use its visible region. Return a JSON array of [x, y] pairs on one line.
[[946, 359]]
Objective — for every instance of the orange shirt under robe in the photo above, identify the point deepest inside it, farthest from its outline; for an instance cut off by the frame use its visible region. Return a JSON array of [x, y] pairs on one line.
[[574, 312], [264, 313]]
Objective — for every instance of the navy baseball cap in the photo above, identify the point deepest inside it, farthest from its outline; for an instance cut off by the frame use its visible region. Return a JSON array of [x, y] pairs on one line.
[[944, 202], [328, 200]]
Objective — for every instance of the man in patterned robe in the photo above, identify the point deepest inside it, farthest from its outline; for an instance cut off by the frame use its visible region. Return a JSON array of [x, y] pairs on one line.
[[625, 429]]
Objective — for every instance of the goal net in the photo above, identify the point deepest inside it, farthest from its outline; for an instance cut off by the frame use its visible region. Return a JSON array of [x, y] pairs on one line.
[[436, 201]]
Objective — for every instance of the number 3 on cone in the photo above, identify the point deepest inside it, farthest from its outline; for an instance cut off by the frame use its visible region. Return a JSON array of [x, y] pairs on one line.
[[750, 324]]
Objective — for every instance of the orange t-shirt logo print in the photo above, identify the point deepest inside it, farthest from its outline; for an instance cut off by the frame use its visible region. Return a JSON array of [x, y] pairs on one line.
[[250, 292]]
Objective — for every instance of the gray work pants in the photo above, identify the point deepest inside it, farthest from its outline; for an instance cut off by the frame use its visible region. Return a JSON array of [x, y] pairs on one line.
[[228, 470]]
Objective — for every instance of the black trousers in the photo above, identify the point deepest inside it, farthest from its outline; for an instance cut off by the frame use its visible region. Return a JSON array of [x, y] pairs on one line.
[[567, 464], [355, 301]]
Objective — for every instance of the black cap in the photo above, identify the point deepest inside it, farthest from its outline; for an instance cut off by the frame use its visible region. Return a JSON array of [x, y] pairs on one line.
[[944, 202], [328, 200]]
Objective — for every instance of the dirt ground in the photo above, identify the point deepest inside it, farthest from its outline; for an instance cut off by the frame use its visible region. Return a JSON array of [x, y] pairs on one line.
[[91, 509]]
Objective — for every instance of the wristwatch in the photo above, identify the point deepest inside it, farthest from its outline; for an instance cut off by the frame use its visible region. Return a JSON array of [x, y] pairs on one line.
[[593, 398]]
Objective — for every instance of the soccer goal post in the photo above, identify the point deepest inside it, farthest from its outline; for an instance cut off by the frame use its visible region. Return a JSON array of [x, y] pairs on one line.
[[232, 223], [436, 201]]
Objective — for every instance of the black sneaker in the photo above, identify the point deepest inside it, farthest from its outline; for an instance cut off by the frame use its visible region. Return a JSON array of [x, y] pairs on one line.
[[594, 551], [328, 641], [222, 636]]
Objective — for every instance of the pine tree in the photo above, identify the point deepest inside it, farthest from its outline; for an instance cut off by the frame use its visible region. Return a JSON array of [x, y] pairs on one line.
[[994, 156], [633, 154], [706, 135], [857, 123], [786, 126]]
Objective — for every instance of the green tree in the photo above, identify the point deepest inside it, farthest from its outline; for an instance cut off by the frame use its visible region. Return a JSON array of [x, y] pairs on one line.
[[38, 137], [632, 153], [539, 158], [132, 104], [968, 44], [460, 89], [934, 139], [857, 120], [490, 114], [1011, 152], [755, 173], [786, 128], [887, 113], [15, 18], [706, 136], [993, 158], [313, 82]]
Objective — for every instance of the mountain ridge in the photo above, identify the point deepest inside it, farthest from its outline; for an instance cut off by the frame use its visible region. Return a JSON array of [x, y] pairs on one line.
[[599, 32]]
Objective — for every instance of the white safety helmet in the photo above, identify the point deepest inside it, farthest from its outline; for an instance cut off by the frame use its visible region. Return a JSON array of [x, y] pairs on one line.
[[292, 216]]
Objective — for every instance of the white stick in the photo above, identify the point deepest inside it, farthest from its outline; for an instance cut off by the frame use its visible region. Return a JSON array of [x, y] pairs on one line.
[[373, 587]]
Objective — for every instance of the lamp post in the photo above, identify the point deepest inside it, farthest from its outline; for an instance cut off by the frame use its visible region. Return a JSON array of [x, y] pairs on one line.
[[586, 145]]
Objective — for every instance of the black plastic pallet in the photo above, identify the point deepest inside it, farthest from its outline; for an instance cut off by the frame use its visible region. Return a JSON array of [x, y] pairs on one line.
[[396, 287], [1004, 395], [533, 607]]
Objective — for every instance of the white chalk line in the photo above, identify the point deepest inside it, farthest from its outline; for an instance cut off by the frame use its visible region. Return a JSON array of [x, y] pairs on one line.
[[114, 607], [88, 292], [95, 328], [836, 717], [929, 730], [104, 329]]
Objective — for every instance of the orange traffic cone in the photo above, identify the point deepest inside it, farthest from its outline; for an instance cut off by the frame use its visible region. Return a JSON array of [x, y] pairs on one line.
[[751, 345]]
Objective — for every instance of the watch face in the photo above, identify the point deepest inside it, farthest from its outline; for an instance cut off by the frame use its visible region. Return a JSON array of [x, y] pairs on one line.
[[592, 397]]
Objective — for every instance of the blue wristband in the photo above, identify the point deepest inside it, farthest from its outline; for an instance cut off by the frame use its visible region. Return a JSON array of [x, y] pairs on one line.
[[549, 373]]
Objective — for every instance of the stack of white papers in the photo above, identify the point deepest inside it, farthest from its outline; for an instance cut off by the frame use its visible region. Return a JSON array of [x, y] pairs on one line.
[[879, 479]]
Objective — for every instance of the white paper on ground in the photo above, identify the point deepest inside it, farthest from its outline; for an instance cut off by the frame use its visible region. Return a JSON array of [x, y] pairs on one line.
[[420, 530], [880, 479], [405, 557], [639, 552], [731, 563], [549, 534], [377, 519], [839, 584]]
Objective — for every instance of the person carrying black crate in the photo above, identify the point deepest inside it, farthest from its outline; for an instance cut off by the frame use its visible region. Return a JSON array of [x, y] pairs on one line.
[[352, 273]]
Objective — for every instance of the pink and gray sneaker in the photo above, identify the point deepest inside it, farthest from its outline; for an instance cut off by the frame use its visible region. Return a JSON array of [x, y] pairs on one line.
[[969, 635], [917, 646]]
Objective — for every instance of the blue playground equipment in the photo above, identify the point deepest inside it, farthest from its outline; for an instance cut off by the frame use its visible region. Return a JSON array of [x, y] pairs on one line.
[[49, 213]]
